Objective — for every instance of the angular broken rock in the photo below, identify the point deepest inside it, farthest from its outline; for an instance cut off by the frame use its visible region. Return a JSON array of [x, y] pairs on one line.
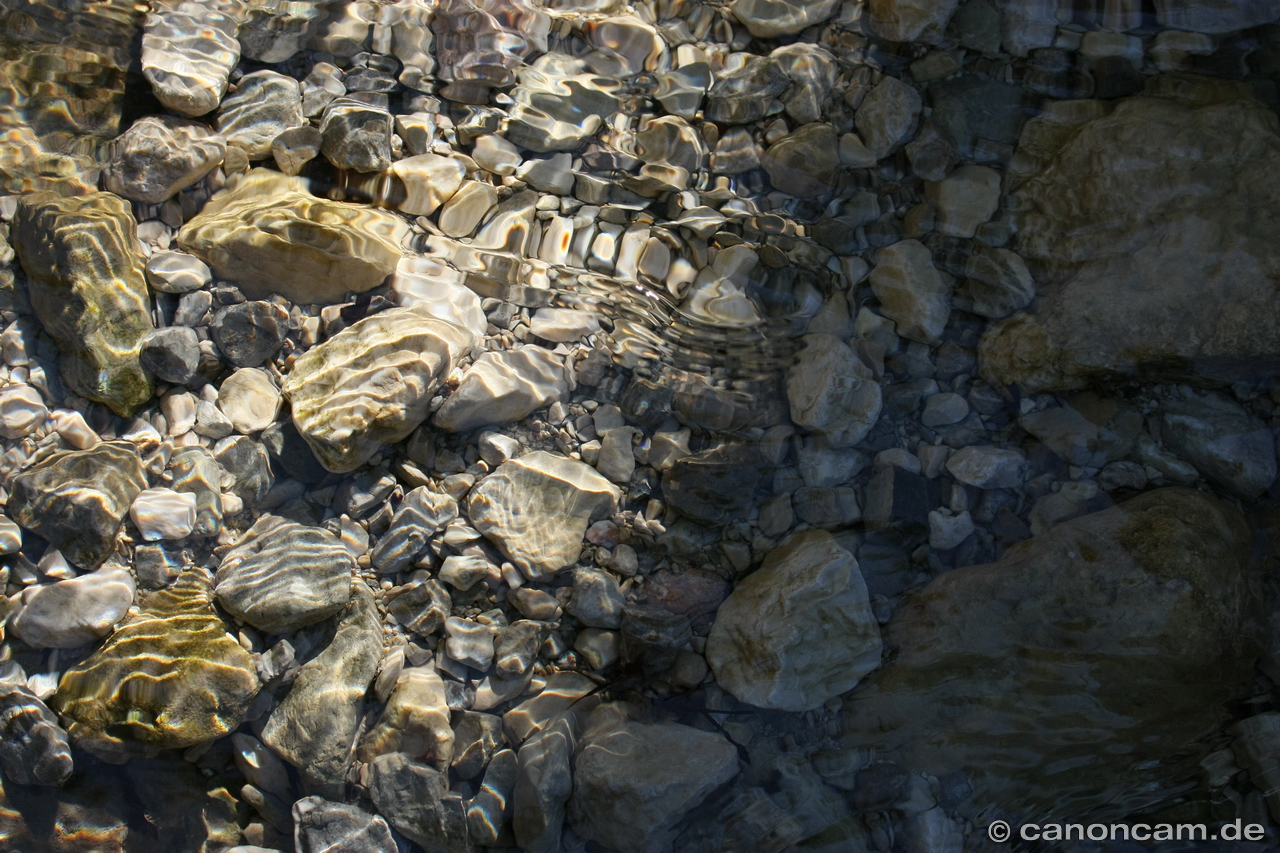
[[371, 383], [501, 387], [269, 234], [537, 509], [797, 631]]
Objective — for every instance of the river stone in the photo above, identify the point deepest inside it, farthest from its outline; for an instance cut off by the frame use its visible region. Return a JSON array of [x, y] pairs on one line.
[[502, 387], [1229, 446], [371, 383], [264, 105], [163, 514], [72, 613], [718, 485], [419, 516], [1170, 286], [188, 51], [283, 575], [417, 801], [415, 721], [85, 282], [196, 472], [249, 399], [22, 410], [886, 119], [1074, 631], [33, 747], [964, 199], [321, 826], [797, 631], [910, 20], [177, 272], [249, 333], [772, 18], [356, 135], [268, 234], [832, 392], [160, 155], [911, 291], [78, 500], [169, 678], [171, 353], [544, 783], [315, 725], [537, 509], [634, 782], [804, 163]]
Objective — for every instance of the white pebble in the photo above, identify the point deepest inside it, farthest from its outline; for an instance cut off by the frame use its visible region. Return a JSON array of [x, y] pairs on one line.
[[164, 514]]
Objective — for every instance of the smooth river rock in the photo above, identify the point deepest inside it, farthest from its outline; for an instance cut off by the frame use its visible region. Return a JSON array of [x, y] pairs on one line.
[[33, 747], [73, 612], [537, 509], [1177, 283], [188, 50], [159, 155], [797, 631], [283, 575], [371, 383], [502, 387], [832, 392], [633, 783], [268, 234], [86, 284], [78, 500], [1110, 644], [170, 677], [315, 724]]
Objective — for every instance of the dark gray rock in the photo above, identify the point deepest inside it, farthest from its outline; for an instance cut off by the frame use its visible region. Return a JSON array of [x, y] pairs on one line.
[[250, 333], [900, 499], [597, 599], [321, 826], [417, 801], [291, 452], [1228, 446], [160, 155], [283, 575], [156, 565], [747, 94], [476, 737], [544, 782], [33, 748], [315, 725], [653, 636], [172, 354], [78, 500], [516, 648], [356, 135], [250, 469]]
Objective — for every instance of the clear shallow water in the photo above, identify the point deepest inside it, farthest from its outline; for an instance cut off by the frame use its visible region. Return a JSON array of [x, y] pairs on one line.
[[773, 426]]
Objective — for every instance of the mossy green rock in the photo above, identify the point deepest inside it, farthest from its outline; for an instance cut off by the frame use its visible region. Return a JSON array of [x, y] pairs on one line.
[[1081, 670], [169, 678], [85, 277]]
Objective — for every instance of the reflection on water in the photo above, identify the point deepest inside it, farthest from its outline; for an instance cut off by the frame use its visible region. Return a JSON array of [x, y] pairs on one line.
[[580, 425]]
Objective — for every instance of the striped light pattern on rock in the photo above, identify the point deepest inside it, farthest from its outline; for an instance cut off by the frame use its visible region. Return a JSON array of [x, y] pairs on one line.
[[170, 677]]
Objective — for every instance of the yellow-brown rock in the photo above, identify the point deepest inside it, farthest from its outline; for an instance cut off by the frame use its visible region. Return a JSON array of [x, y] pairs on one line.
[[268, 234]]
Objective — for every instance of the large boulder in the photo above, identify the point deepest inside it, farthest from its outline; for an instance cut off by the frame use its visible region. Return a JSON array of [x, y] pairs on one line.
[[85, 280], [268, 234], [1155, 261], [797, 631], [633, 782], [1083, 666]]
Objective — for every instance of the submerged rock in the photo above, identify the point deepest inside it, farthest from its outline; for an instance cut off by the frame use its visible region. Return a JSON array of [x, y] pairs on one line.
[[74, 612], [832, 392], [283, 575], [170, 677], [501, 387], [33, 747], [159, 155], [634, 782], [268, 234], [188, 50], [537, 509], [797, 631], [315, 724], [1149, 598], [86, 285], [321, 826], [371, 383], [264, 105], [1177, 284], [418, 802], [415, 721], [78, 500], [1227, 445], [772, 18]]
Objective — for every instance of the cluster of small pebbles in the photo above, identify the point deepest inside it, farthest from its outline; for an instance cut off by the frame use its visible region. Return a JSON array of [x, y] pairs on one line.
[[572, 425]]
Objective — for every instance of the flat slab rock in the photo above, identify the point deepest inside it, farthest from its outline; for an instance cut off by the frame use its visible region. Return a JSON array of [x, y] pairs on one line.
[[371, 383], [169, 678], [537, 509], [269, 234], [797, 631]]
